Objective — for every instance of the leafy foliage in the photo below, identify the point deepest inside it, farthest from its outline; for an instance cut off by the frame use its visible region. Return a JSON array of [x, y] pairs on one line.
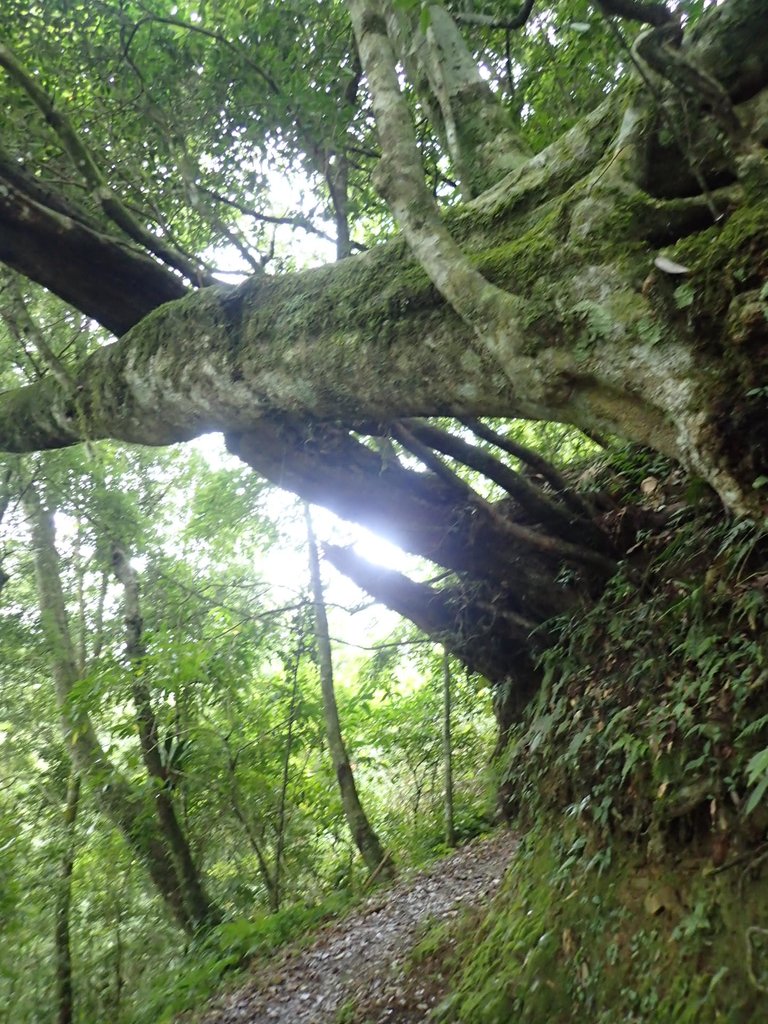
[[640, 777], [609, 937], [223, 132], [235, 696], [653, 718]]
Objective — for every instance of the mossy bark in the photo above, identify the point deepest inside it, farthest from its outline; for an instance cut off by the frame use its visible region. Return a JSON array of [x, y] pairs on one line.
[[576, 321], [612, 343]]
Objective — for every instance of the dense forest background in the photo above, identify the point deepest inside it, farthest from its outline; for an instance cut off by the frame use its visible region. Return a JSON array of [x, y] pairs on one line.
[[383, 408], [228, 673]]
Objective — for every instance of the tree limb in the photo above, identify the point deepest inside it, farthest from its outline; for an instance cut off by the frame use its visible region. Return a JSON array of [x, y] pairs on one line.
[[86, 165], [491, 312]]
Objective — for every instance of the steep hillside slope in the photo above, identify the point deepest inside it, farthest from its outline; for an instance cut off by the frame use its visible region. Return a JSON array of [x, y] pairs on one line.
[[640, 892]]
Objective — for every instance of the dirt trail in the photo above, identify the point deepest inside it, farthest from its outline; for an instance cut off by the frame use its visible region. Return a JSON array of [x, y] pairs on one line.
[[358, 961]]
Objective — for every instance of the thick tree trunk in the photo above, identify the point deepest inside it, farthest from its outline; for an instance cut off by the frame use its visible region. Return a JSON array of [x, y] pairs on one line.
[[593, 331], [366, 840]]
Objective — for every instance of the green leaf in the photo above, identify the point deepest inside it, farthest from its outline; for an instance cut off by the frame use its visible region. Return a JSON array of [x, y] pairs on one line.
[[756, 796], [683, 296], [758, 765]]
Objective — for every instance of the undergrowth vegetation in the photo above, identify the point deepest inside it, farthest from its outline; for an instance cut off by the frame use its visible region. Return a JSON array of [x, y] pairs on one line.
[[653, 720], [638, 780], [231, 946], [604, 935]]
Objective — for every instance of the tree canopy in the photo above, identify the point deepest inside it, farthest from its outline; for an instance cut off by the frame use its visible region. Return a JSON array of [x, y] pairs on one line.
[[414, 260]]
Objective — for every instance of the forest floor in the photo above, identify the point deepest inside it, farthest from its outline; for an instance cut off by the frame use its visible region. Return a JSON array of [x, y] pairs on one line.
[[355, 970]]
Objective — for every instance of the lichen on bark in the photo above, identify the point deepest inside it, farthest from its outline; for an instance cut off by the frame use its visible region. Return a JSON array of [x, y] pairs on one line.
[[555, 309]]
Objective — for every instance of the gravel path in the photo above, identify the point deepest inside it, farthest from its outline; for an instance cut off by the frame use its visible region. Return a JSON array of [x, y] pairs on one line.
[[359, 960]]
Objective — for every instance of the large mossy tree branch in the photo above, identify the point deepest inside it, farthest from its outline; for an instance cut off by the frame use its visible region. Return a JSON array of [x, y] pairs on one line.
[[596, 339], [493, 313], [369, 339]]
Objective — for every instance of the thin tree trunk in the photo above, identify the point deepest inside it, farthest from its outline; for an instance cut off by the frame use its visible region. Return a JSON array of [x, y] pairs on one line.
[[64, 988], [119, 980], [115, 795], [280, 844], [450, 837], [79, 566], [254, 841], [366, 840], [202, 912], [337, 178]]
